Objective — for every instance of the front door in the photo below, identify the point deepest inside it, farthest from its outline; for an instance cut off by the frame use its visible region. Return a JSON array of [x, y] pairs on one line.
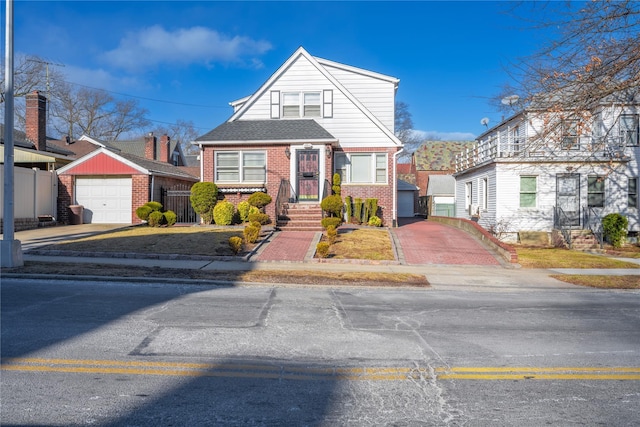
[[308, 175], [568, 199]]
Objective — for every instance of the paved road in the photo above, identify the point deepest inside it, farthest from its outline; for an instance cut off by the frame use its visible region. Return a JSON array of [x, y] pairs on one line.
[[156, 354]]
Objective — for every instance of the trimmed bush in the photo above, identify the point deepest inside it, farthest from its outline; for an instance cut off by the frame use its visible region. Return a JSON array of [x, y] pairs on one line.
[[236, 244], [156, 218], [260, 218], [204, 196], [223, 213], [337, 181], [357, 213], [614, 227], [243, 211], [252, 232], [259, 199], [331, 221], [155, 206], [349, 208], [374, 221], [170, 218], [332, 234], [322, 249], [253, 210], [143, 212], [332, 205]]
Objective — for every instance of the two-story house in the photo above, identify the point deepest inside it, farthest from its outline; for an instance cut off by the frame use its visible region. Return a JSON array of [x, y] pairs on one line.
[[541, 170], [310, 119]]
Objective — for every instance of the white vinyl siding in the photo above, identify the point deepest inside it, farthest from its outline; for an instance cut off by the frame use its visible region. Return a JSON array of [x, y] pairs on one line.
[[339, 116], [240, 166]]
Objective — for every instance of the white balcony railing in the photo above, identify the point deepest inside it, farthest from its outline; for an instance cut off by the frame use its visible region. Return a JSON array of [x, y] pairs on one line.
[[574, 148]]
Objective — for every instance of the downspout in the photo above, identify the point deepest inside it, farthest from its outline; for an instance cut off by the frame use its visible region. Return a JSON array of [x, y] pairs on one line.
[[153, 182], [394, 219]]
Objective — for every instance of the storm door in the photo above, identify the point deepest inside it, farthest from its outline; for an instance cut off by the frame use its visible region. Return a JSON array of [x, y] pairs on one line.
[[308, 165], [568, 199]]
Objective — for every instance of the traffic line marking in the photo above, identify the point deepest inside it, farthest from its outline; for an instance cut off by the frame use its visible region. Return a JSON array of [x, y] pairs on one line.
[[303, 373]]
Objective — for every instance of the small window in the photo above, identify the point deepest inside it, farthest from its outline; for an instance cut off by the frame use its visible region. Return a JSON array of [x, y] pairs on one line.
[[311, 104], [468, 195], [595, 191], [570, 139], [528, 191], [381, 168], [291, 104], [485, 194], [632, 192], [630, 129]]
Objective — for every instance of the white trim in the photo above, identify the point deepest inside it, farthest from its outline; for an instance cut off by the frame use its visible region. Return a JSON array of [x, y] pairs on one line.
[[274, 141]]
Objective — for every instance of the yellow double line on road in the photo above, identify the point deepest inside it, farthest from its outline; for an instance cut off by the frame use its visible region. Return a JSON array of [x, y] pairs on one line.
[[303, 373]]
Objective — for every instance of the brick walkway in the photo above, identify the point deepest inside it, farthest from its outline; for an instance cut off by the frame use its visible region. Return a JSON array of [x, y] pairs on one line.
[[425, 242], [287, 246]]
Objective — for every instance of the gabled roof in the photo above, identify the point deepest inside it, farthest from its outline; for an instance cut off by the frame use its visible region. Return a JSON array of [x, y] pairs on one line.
[[316, 62], [142, 165], [261, 131], [137, 146]]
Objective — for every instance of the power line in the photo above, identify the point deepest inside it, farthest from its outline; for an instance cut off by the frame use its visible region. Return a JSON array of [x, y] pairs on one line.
[[150, 99]]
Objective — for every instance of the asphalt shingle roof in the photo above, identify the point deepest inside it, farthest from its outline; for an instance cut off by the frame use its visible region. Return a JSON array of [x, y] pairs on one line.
[[267, 130], [157, 167]]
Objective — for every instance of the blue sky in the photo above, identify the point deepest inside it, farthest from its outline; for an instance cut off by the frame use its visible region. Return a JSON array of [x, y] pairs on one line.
[[450, 57]]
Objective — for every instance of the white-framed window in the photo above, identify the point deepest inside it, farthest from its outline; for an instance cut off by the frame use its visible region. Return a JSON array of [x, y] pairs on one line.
[[485, 193], [595, 191], [468, 195], [630, 129], [362, 168], [528, 191], [241, 166], [632, 192], [570, 137], [301, 104]]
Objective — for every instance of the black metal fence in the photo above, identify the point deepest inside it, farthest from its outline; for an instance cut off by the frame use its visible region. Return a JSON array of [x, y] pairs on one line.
[[176, 199]]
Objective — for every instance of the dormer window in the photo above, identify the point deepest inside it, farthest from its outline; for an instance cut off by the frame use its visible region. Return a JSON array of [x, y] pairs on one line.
[[301, 104]]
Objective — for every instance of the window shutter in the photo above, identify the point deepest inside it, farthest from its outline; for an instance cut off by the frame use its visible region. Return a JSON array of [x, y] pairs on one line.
[[327, 103], [275, 104]]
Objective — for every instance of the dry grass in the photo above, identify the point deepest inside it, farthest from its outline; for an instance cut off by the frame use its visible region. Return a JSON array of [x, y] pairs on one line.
[[258, 276], [603, 282], [564, 258], [363, 243], [150, 240]]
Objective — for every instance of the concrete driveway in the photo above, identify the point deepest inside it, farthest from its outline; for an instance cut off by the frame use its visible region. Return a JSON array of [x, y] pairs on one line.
[[425, 242]]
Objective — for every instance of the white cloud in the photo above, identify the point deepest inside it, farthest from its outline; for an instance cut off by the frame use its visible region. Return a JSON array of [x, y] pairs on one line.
[[423, 135], [155, 45]]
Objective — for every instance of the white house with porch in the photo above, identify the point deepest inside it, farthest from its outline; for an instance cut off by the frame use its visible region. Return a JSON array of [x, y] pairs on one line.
[[541, 171]]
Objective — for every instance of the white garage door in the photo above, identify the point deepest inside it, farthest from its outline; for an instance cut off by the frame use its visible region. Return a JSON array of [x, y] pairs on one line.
[[106, 200], [405, 204]]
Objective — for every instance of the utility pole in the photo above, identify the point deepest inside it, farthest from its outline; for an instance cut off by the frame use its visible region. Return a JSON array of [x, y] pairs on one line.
[[11, 255], [47, 89]]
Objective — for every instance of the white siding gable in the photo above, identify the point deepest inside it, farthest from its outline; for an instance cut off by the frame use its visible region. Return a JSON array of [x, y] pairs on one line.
[[350, 119]]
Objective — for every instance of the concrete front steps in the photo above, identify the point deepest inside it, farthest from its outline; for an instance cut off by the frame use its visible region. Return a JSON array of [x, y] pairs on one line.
[[300, 217], [582, 240]]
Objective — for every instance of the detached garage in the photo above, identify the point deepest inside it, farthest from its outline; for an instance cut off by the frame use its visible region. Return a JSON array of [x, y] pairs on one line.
[[407, 196], [111, 186]]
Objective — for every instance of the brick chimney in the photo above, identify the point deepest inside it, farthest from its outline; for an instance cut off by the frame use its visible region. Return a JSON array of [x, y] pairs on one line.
[[150, 146], [165, 146], [36, 120]]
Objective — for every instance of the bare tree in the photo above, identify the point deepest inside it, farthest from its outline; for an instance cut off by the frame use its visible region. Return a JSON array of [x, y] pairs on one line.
[[403, 124], [595, 59], [94, 113], [182, 132], [31, 73]]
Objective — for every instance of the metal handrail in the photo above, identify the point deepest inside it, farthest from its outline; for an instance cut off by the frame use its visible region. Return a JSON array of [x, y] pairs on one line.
[[559, 221], [594, 223]]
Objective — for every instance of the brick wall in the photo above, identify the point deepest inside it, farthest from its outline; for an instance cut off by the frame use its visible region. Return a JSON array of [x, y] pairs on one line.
[[65, 197], [140, 192], [36, 119]]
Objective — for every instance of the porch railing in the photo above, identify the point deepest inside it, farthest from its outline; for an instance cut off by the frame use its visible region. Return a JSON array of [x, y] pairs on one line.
[[593, 221], [560, 221], [286, 194]]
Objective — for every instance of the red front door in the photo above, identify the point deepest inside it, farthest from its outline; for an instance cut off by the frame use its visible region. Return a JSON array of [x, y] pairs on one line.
[[308, 175]]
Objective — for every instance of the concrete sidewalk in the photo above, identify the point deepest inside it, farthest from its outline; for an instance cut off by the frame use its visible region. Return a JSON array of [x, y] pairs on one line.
[[441, 276]]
